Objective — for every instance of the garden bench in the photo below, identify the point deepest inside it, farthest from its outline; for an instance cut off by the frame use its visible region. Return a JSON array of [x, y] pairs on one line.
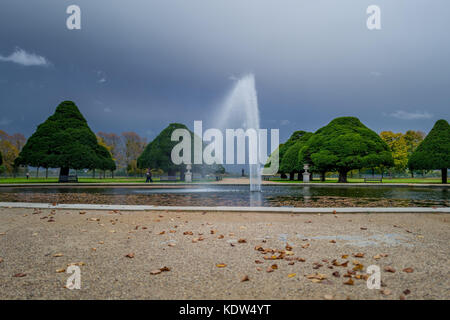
[[69, 178], [373, 179]]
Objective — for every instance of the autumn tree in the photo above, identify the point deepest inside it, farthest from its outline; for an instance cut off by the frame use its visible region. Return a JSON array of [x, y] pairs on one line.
[[433, 153], [115, 145], [343, 145], [9, 152], [65, 141], [397, 145], [413, 139], [133, 147]]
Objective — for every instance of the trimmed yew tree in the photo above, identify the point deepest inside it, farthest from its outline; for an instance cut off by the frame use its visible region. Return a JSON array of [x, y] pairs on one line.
[[65, 141], [290, 161], [433, 153], [157, 155], [345, 144]]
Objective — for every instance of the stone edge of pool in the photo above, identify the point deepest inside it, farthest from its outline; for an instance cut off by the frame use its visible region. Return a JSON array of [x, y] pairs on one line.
[[29, 205], [183, 185]]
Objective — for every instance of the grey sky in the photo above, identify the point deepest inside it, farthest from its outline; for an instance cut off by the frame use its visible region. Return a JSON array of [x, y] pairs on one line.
[[138, 65]]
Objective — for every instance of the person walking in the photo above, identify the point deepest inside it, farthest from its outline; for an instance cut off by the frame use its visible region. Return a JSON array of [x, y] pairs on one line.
[[149, 176]]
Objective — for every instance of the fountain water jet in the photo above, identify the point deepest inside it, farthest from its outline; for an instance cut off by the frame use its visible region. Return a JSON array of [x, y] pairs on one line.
[[243, 98]]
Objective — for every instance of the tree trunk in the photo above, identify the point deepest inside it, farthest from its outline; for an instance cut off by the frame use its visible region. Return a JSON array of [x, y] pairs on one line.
[[93, 173], [37, 172], [112, 174], [291, 175], [322, 176], [64, 171], [412, 174], [182, 173], [444, 175], [300, 176], [283, 176], [342, 176]]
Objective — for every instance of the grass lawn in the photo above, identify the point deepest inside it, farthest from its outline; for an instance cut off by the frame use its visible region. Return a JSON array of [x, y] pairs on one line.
[[142, 180], [84, 180], [89, 180], [355, 180]]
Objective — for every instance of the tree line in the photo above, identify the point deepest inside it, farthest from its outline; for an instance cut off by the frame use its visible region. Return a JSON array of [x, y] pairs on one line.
[[65, 141], [346, 145]]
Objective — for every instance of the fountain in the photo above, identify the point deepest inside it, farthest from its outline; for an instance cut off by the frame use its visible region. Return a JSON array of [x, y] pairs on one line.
[[243, 98]]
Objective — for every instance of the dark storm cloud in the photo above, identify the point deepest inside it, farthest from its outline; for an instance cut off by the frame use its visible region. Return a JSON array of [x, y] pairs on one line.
[[138, 65]]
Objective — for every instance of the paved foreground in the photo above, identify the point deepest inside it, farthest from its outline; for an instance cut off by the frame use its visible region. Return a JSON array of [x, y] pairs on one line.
[[126, 255]]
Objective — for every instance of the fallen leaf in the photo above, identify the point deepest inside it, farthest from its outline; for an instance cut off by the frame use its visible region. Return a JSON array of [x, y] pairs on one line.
[[332, 241], [274, 267], [258, 261], [221, 236], [1, 260], [164, 269], [328, 297], [408, 270], [269, 269], [221, 265], [336, 274], [406, 292], [245, 278], [344, 256], [162, 232], [60, 270], [316, 276], [58, 255], [155, 272], [82, 212], [386, 292], [358, 255], [171, 244], [305, 246], [349, 282], [389, 269], [80, 264], [188, 233], [291, 275], [130, 255], [288, 247], [19, 275], [242, 241]]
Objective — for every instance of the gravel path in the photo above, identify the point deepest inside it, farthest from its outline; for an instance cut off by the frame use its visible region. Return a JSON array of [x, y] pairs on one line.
[[35, 244]]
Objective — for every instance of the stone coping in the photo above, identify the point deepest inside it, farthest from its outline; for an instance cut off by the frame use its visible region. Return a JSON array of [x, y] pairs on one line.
[[197, 184], [31, 205]]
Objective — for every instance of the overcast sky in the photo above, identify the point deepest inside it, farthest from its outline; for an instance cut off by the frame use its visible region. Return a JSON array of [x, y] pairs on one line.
[[138, 65]]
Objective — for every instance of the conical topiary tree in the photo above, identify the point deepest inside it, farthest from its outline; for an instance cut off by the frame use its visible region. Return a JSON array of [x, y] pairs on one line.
[[65, 141], [157, 154], [433, 153], [343, 145]]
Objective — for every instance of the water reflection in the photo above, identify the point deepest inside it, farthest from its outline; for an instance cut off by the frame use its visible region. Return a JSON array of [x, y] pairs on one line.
[[238, 195]]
